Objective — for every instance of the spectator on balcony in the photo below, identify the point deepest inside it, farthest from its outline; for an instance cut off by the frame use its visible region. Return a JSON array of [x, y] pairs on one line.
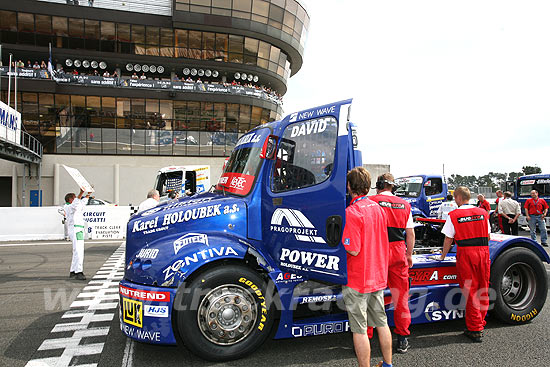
[[29, 65], [20, 64], [75, 72], [43, 65], [35, 66], [189, 80], [135, 76], [143, 77], [175, 78], [115, 74], [95, 72], [60, 70], [199, 80], [106, 74]]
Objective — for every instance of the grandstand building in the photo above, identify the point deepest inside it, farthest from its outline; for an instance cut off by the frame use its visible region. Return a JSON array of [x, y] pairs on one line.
[[119, 89]]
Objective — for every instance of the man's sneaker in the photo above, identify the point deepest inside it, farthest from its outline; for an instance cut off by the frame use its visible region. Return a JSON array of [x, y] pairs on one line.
[[545, 244], [80, 276], [72, 274], [475, 336], [402, 344]]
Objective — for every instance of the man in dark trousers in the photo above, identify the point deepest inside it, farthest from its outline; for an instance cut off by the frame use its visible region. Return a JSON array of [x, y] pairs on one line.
[[400, 230], [469, 227], [365, 239]]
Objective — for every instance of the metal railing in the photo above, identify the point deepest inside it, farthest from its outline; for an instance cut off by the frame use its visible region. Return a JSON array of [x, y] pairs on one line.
[[32, 144]]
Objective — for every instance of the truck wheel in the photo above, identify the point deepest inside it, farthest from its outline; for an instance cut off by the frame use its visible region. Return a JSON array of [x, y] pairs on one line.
[[520, 282], [224, 313]]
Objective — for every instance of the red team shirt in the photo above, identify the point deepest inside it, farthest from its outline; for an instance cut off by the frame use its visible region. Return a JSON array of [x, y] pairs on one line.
[[366, 233], [535, 207], [484, 205]]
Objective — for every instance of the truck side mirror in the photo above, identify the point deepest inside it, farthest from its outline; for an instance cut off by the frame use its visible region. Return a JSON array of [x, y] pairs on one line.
[[270, 148]]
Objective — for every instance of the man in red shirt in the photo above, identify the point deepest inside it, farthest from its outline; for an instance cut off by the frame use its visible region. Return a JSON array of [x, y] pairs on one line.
[[365, 239], [483, 204], [535, 211], [400, 229], [469, 227]]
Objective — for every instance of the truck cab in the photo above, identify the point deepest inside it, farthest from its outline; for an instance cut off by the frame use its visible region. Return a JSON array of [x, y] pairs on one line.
[[425, 193], [522, 187]]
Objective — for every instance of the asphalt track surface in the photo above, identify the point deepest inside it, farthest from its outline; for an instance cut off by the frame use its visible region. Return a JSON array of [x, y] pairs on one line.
[[32, 274]]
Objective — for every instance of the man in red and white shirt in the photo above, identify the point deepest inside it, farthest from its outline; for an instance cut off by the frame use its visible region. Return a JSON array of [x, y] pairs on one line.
[[401, 238], [483, 204], [469, 227], [535, 211], [365, 239]]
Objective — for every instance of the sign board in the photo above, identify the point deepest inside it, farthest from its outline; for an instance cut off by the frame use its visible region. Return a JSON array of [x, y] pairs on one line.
[[106, 222], [10, 124], [79, 179]]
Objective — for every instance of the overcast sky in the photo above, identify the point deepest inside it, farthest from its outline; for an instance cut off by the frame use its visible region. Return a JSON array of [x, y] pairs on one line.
[[460, 83]]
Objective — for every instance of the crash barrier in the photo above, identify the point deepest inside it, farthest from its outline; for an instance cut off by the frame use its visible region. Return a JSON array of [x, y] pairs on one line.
[[46, 223]]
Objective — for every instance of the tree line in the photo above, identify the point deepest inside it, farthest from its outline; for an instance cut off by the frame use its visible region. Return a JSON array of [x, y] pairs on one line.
[[494, 180]]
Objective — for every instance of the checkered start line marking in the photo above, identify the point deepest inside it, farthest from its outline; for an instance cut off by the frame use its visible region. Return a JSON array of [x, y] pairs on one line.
[[89, 316]]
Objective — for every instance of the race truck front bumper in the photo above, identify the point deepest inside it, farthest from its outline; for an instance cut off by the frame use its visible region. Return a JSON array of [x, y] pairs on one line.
[[146, 313]]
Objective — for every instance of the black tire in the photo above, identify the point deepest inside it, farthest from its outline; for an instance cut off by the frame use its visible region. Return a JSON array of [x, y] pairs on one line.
[[230, 300], [520, 282]]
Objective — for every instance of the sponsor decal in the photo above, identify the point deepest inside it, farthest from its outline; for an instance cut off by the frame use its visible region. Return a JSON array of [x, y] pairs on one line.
[[309, 127], [298, 224], [249, 138], [144, 295], [387, 204], [148, 253], [498, 237], [543, 181], [288, 278], [301, 260], [258, 292], [527, 182], [238, 183], [433, 312], [346, 241], [524, 318], [315, 299], [471, 218], [188, 239], [311, 114], [432, 276], [148, 336], [196, 257], [320, 329], [132, 312], [156, 311]]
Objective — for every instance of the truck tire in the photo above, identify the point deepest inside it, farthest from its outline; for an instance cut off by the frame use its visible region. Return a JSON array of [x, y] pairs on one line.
[[519, 280], [226, 313]]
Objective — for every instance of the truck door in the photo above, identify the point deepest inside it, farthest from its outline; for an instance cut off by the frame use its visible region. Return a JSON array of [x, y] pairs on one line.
[[303, 215], [433, 189]]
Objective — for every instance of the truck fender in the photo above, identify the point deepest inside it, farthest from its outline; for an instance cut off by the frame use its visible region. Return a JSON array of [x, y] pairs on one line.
[[500, 243], [417, 212]]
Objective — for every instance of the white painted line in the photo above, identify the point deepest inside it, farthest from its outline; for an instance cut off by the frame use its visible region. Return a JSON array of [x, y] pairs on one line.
[[128, 359]]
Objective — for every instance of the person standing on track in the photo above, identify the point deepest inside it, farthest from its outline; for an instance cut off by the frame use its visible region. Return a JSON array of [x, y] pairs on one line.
[[401, 241], [510, 211], [365, 239], [535, 211], [74, 210], [469, 227], [482, 203]]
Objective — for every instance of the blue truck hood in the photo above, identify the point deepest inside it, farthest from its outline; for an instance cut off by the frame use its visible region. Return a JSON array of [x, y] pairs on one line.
[[156, 236]]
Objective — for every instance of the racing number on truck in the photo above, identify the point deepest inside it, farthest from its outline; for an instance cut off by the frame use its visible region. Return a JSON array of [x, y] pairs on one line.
[[132, 312], [258, 292]]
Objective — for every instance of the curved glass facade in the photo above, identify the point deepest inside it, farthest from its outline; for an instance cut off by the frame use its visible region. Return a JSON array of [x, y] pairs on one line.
[[76, 124], [125, 38]]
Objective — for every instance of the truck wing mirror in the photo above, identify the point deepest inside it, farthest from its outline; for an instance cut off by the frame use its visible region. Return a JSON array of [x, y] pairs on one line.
[[269, 149]]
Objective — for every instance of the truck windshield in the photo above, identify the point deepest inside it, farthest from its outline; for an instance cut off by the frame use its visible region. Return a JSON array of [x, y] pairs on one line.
[[409, 186], [542, 185], [244, 164]]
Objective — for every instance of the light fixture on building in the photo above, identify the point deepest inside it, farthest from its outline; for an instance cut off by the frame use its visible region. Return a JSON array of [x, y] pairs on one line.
[[145, 68], [243, 76], [77, 63], [69, 62], [137, 67], [193, 72], [215, 73], [129, 67], [208, 72], [94, 64], [153, 68], [250, 77], [186, 71], [201, 72], [237, 75], [86, 64], [103, 65], [160, 69], [256, 79]]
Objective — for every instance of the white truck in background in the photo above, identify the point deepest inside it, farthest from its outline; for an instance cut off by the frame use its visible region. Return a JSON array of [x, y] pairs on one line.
[[185, 180]]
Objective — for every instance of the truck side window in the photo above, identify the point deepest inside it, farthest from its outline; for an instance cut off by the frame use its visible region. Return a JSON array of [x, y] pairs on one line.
[[435, 187], [306, 154]]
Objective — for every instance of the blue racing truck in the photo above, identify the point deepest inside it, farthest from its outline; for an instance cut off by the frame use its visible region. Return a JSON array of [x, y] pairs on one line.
[[262, 249], [522, 187], [425, 193]]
